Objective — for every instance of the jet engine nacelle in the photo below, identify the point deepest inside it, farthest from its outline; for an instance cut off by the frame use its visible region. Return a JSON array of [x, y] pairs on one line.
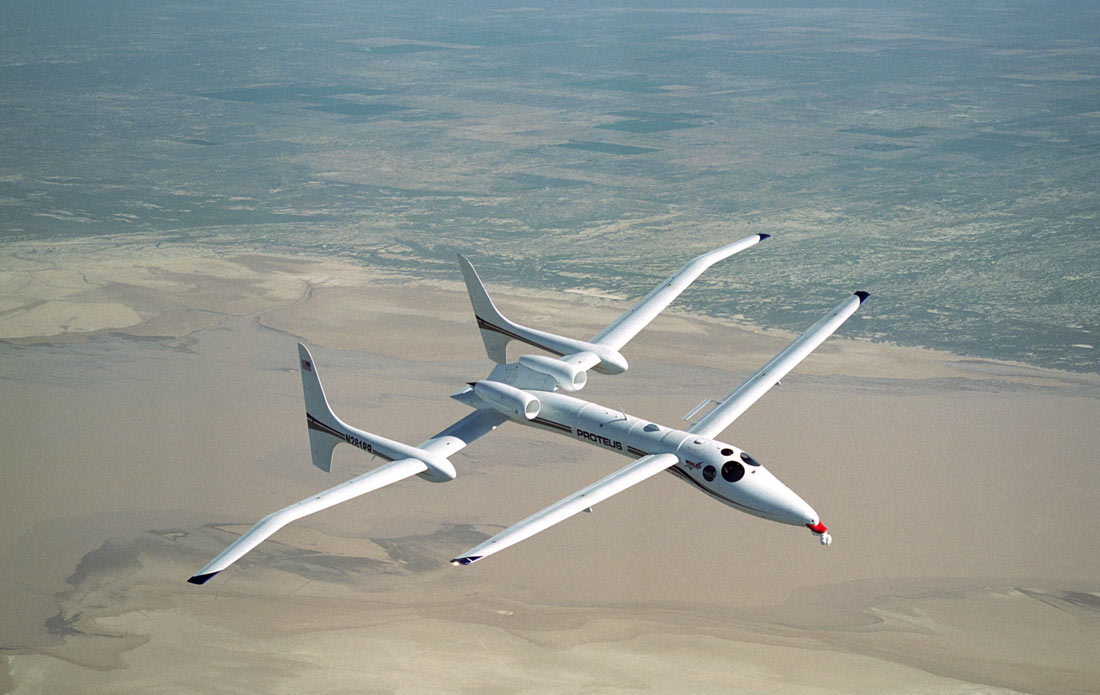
[[507, 399], [569, 377]]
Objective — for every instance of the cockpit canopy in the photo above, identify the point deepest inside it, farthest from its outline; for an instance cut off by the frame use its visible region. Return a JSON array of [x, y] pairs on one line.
[[732, 469]]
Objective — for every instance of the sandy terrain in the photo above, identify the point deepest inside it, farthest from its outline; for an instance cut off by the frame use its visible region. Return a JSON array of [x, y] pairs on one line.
[[151, 412]]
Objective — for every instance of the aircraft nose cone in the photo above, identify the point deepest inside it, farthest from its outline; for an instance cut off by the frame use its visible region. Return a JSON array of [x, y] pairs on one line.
[[800, 512], [787, 506]]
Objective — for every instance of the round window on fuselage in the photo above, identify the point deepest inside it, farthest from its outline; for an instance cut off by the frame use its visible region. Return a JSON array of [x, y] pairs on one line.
[[732, 471], [709, 472]]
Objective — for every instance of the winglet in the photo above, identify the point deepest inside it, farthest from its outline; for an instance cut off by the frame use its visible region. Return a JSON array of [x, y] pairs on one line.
[[862, 295], [764, 236], [468, 560], [201, 578]]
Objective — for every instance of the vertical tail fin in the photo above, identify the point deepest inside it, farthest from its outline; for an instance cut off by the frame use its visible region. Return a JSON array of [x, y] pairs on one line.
[[326, 431], [324, 426], [497, 331], [490, 321]]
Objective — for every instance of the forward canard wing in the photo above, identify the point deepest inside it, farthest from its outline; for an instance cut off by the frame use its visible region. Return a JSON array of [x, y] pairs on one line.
[[738, 401], [628, 476], [602, 352]]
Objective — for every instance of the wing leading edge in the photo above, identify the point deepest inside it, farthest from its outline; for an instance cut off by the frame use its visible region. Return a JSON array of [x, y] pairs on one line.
[[628, 476], [447, 442], [739, 400], [623, 329], [602, 352], [360, 485]]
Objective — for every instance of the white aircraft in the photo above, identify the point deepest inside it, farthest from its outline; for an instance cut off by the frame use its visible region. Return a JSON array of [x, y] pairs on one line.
[[529, 392]]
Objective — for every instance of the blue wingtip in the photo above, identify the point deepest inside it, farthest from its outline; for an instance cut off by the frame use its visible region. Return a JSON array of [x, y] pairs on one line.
[[862, 296], [764, 236], [201, 578], [469, 560]]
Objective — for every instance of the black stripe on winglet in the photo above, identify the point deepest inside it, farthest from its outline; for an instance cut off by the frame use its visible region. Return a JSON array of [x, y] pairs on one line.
[[764, 236], [862, 296], [469, 560], [201, 578]]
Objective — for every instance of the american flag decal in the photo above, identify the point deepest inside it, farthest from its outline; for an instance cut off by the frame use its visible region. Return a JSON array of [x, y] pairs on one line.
[[307, 366]]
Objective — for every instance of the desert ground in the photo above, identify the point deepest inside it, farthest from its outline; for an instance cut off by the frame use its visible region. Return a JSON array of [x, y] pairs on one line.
[[152, 412]]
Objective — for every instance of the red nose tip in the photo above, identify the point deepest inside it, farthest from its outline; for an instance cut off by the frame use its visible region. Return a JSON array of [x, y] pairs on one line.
[[817, 528]]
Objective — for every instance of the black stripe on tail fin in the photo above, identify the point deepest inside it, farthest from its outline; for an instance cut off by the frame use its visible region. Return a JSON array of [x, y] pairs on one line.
[[324, 427]]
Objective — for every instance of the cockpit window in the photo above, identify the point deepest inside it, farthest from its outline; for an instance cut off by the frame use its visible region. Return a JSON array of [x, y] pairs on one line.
[[732, 471], [748, 459], [651, 428], [727, 452]]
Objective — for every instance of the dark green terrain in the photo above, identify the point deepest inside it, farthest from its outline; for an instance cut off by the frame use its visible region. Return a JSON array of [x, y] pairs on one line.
[[944, 158]]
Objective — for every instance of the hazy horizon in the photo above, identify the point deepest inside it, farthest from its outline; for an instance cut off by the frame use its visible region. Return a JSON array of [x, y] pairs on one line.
[[942, 157], [187, 189]]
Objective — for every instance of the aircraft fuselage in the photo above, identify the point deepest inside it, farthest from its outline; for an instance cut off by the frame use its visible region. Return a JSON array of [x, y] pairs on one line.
[[721, 470]]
